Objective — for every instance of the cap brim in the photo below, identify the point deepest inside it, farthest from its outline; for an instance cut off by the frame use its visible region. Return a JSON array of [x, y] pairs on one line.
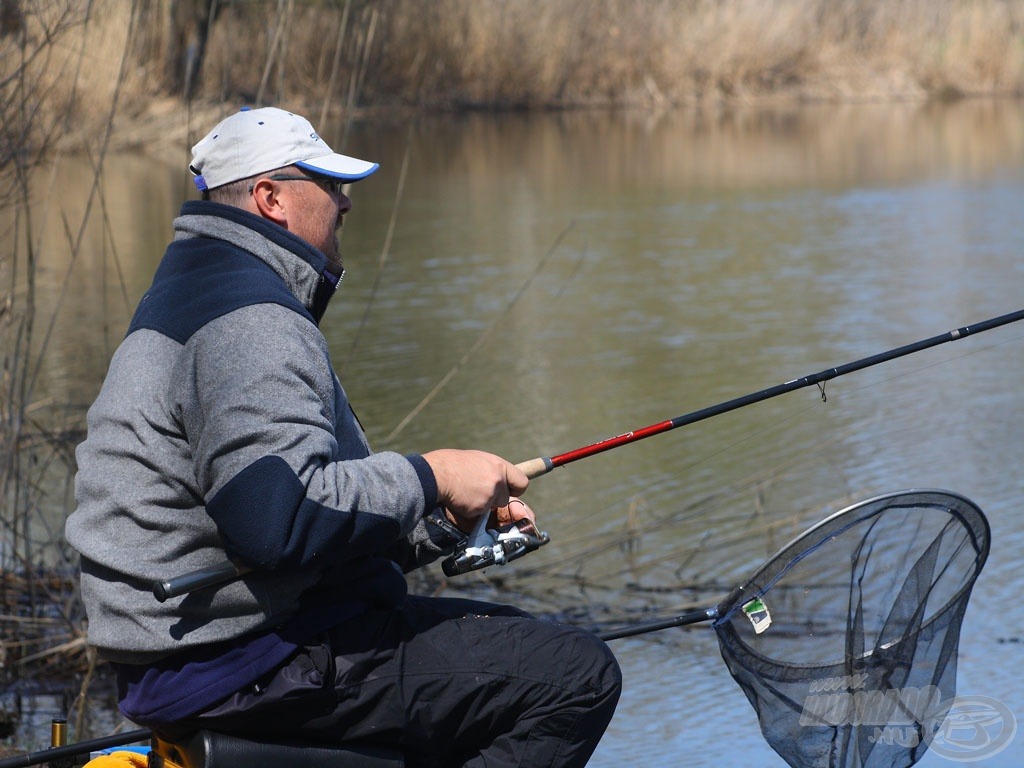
[[339, 167]]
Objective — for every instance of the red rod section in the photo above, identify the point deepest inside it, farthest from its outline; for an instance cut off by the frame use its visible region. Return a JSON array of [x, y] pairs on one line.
[[612, 442]]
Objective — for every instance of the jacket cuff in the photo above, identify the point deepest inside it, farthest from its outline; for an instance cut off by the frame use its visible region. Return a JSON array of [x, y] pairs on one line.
[[427, 480]]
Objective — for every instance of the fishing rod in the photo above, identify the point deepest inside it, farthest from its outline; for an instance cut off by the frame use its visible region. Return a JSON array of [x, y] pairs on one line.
[[479, 554], [79, 749], [544, 464]]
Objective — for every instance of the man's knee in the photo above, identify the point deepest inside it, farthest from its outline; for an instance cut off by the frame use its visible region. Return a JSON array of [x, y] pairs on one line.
[[591, 674], [605, 676]]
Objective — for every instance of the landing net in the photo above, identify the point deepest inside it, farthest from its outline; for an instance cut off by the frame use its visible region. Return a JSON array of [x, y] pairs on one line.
[[845, 642]]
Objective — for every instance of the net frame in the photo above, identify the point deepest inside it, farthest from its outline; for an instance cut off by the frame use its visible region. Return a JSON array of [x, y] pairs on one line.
[[868, 688]]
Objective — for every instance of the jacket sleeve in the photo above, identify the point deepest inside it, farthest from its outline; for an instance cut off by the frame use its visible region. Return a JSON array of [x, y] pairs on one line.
[[284, 468], [432, 538]]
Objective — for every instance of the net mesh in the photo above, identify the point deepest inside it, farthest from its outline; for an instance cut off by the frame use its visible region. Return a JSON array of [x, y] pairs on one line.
[[845, 642]]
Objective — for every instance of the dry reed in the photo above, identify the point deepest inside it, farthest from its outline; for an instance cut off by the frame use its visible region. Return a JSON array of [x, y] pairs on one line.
[[433, 54], [43, 69]]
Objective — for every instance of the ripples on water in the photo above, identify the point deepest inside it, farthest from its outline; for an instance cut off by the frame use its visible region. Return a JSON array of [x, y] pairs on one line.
[[701, 258]]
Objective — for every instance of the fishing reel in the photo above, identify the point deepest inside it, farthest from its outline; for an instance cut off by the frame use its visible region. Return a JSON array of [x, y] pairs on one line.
[[486, 547]]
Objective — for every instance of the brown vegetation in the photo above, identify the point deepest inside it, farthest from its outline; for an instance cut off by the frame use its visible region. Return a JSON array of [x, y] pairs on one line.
[[544, 53], [497, 54], [40, 615]]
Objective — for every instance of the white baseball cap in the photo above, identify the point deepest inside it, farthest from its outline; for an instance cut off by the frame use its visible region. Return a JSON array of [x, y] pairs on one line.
[[254, 141]]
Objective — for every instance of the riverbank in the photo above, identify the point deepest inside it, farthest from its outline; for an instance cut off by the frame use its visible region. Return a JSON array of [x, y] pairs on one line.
[[143, 68]]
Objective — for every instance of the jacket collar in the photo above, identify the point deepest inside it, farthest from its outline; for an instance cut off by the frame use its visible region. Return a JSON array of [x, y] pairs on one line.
[[302, 267]]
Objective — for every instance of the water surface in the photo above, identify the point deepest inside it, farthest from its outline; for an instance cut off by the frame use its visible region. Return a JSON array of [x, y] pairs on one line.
[[583, 274]]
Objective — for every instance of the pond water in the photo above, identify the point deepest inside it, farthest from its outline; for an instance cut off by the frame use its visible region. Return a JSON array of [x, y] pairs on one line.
[[534, 283]]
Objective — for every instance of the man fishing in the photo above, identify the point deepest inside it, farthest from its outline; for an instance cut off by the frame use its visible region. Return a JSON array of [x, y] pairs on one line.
[[221, 431]]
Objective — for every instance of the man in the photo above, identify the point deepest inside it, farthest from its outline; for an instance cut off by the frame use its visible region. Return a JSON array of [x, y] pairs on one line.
[[222, 431]]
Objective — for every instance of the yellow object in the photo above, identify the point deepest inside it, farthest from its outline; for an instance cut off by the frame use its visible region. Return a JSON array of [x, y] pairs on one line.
[[119, 759], [58, 732]]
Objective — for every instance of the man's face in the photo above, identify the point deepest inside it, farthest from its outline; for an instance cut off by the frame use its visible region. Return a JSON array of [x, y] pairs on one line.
[[319, 216], [323, 218]]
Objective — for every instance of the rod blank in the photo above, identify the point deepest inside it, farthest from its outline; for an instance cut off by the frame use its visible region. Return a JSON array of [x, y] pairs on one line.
[[542, 465], [227, 571]]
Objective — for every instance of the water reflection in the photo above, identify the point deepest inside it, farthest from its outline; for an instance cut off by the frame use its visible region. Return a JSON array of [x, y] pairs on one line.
[[695, 257]]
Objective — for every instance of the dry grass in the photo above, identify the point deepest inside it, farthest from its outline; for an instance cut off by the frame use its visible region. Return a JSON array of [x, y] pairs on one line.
[[348, 54], [543, 53]]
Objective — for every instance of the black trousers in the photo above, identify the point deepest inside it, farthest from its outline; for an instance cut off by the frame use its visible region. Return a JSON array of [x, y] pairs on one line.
[[451, 682]]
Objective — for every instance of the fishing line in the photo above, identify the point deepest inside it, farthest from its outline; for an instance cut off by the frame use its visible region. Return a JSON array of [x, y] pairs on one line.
[[542, 465], [575, 270], [480, 339], [386, 248]]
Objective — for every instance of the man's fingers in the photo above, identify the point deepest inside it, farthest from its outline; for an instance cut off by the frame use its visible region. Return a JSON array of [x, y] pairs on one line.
[[471, 483], [516, 480]]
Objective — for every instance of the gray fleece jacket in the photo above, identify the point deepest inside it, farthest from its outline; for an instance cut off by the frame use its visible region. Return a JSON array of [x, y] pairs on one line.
[[222, 431]]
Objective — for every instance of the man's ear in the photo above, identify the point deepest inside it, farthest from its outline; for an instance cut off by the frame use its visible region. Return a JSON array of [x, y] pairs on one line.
[[268, 204]]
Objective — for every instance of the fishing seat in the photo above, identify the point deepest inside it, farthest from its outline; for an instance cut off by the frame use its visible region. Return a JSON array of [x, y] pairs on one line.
[[207, 749]]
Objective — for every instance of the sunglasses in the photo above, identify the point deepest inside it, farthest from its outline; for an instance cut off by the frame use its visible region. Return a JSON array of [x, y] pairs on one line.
[[334, 186]]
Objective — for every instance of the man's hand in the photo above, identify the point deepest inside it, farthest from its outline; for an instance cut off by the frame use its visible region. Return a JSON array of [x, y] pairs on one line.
[[472, 483]]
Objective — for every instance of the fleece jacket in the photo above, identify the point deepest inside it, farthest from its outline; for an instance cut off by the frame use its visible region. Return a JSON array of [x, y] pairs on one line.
[[221, 431]]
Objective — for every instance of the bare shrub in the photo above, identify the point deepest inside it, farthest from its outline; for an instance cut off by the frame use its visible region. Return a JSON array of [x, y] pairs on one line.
[[44, 74]]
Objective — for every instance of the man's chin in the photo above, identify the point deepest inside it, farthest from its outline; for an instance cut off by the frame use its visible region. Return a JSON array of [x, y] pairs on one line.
[[335, 263]]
